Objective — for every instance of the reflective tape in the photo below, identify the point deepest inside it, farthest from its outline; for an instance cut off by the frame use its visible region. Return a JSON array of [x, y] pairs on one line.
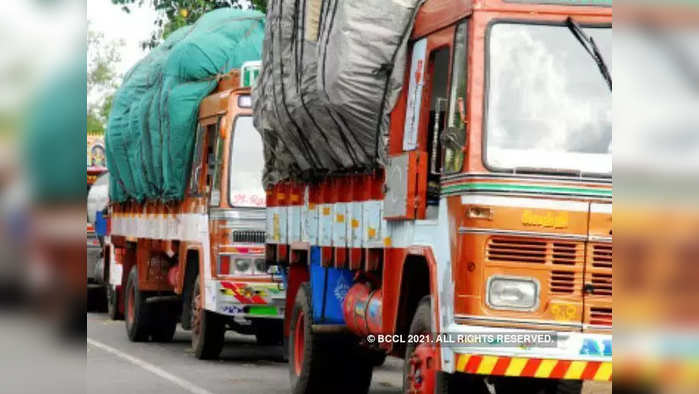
[[534, 367]]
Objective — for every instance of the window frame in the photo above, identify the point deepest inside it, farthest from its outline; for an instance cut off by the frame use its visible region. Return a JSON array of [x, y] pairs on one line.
[[230, 162], [217, 175], [198, 171]]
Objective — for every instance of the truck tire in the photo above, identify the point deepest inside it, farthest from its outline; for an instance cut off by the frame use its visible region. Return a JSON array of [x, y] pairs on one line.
[[355, 366], [165, 321], [269, 332], [432, 380], [208, 328], [136, 309], [505, 385], [96, 296], [113, 303], [190, 279], [323, 363], [377, 359]]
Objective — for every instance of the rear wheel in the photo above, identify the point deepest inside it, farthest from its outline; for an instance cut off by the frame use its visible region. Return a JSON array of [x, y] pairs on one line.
[[208, 328], [165, 324], [137, 324], [323, 363]]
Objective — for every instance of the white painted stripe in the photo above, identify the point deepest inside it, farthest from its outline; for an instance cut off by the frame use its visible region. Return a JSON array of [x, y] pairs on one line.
[[601, 208], [186, 385], [518, 202], [184, 227]]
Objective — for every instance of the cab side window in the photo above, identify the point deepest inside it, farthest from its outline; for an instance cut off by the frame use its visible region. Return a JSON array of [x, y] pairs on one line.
[[438, 73], [195, 177], [454, 137], [202, 167]]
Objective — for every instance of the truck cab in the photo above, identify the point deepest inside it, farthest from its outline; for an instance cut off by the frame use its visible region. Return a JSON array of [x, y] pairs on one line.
[[227, 172], [511, 138]]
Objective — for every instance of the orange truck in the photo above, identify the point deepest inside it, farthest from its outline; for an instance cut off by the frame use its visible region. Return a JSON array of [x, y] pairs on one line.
[[200, 261], [481, 253]]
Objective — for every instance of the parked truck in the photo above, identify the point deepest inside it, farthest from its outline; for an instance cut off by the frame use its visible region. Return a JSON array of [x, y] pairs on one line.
[[492, 213], [187, 207], [200, 261]]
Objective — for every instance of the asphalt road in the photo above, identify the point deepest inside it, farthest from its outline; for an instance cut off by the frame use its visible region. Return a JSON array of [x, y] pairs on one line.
[[115, 365]]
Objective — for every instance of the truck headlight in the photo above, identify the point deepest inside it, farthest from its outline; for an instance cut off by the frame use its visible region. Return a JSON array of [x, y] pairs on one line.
[[512, 292], [260, 266], [242, 265]]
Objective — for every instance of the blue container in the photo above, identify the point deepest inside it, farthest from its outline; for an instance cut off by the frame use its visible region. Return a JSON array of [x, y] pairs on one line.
[[328, 289], [100, 224]]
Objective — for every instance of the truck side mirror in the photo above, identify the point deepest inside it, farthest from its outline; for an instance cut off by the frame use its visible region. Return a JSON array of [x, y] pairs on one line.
[[454, 138]]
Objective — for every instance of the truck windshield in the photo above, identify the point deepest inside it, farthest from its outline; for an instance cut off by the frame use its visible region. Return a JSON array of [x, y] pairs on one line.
[[246, 165], [549, 107]]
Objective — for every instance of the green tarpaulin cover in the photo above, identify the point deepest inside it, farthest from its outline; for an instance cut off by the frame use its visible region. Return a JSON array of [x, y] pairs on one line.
[[150, 133]]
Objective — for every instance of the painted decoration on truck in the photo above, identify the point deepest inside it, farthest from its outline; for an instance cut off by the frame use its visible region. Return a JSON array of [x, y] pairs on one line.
[[96, 157], [417, 81]]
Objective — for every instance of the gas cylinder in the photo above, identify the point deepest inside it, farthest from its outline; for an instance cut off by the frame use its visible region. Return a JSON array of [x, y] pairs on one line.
[[362, 309]]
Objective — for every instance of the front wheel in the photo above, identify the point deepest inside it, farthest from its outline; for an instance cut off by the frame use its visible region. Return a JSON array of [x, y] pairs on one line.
[[420, 363], [421, 372], [208, 328]]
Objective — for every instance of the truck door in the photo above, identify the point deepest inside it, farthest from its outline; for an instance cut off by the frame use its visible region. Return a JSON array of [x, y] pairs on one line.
[[433, 100]]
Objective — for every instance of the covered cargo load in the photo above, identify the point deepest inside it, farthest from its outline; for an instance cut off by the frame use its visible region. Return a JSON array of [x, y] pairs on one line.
[[151, 128], [332, 71]]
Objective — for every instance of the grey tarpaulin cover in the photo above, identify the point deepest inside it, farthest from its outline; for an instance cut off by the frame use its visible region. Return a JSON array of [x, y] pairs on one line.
[[332, 71]]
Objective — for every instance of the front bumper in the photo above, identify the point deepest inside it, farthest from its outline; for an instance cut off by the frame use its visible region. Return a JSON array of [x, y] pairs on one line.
[[576, 355], [249, 299]]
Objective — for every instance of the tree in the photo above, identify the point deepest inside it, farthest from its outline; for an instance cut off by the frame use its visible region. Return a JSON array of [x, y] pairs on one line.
[[102, 78], [178, 13]]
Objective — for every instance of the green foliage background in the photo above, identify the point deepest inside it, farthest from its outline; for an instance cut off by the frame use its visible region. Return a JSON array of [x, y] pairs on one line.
[[177, 13]]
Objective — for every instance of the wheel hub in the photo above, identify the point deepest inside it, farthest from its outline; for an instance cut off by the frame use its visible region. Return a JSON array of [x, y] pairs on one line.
[[423, 370]]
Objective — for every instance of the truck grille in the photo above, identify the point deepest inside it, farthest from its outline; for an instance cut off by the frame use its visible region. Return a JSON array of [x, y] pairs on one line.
[[600, 316], [601, 284], [602, 256], [249, 236], [562, 282], [565, 258], [598, 285], [516, 250]]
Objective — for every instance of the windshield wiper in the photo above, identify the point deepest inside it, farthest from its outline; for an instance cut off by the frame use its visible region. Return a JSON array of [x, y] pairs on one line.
[[590, 47]]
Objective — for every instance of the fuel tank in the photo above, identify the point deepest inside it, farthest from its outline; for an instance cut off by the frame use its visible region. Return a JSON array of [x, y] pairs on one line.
[[362, 309]]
